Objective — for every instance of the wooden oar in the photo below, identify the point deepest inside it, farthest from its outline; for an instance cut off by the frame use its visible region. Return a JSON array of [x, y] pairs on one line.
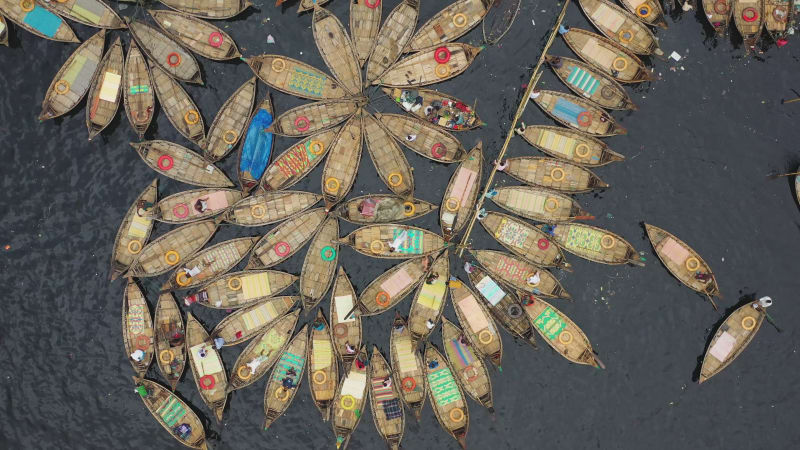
[[775, 177]]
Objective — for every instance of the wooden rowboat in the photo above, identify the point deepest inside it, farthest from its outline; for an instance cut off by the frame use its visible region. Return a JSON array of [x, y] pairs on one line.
[[297, 161], [394, 241], [319, 265], [345, 323], [209, 9], [197, 35], [180, 163], [228, 126], [196, 204], [241, 289], [35, 18], [575, 112], [553, 174], [718, 13], [245, 323], [286, 377], [137, 328], [569, 145], [499, 19], [594, 244], [541, 205], [468, 367], [134, 231], [306, 5], [323, 375], [166, 53], [73, 79], [388, 158], [270, 207], [93, 13], [392, 286], [341, 167], [207, 368], [312, 118], [137, 93], [3, 31], [584, 80], [256, 149], [365, 21], [172, 413], [777, 14], [387, 409], [392, 38], [409, 371], [424, 138], [524, 240], [424, 68], [429, 300], [461, 194], [449, 24], [520, 274], [169, 337], [296, 78], [649, 11], [179, 108], [210, 263], [286, 239], [337, 49], [447, 397], [607, 55], [382, 208], [162, 254], [477, 322], [439, 109], [620, 26], [350, 400], [502, 303]]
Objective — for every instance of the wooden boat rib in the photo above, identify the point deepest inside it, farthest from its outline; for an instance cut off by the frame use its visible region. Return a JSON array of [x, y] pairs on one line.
[[524, 240], [592, 84], [35, 18], [365, 21], [270, 207], [502, 303], [569, 145], [197, 35], [607, 55], [468, 367], [477, 322], [409, 371], [207, 367], [337, 49], [499, 18], [209, 9], [648, 11], [323, 375], [435, 107], [245, 323], [553, 174], [240, 289], [449, 24], [307, 5], [93, 13], [345, 323], [286, 239], [620, 26], [196, 204], [423, 138], [387, 409], [134, 231], [166, 53], [429, 300], [748, 15], [350, 399], [229, 125], [392, 38], [3, 31], [256, 147], [382, 208], [388, 158], [137, 93], [520, 274], [312, 118], [593, 243], [341, 167], [172, 412], [164, 253], [297, 78], [461, 194], [394, 241], [137, 328], [288, 371], [180, 163], [424, 68], [297, 161], [447, 397], [575, 112], [718, 13], [169, 336], [210, 263], [392, 286], [180, 109], [542, 205], [319, 265]]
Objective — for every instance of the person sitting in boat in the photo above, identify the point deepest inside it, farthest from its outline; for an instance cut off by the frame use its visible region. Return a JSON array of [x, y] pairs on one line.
[[359, 363], [138, 355], [411, 100], [534, 279], [288, 381], [704, 277], [176, 339], [398, 326], [183, 431], [433, 276], [349, 348], [201, 205], [387, 382], [398, 241], [433, 364], [430, 324]]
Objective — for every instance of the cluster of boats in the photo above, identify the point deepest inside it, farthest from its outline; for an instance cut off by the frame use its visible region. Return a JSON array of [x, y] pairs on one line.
[[778, 18]]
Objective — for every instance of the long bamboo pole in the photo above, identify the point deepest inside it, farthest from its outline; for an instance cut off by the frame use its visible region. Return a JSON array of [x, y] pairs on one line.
[[520, 109]]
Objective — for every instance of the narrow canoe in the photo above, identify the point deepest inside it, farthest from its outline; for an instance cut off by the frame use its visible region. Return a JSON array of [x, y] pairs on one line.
[[472, 374], [424, 68], [306, 5], [73, 79], [776, 16], [228, 126], [394, 241], [577, 113], [137, 328], [365, 21], [162, 254], [286, 239], [461, 194], [499, 19], [209, 9], [541, 205], [3, 31], [197, 35], [196, 204], [180, 163], [312, 118], [270, 207], [319, 265], [569, 145], [166, 53], [382, 208], [607, 55], [245, 323], [447, 397], [297, 161], [429, 300], [388, 158], [520, 274], [345, 326], [207, 368], [179, 108], [337, 49], [449, 24], [392, 38], [584, 80], [435, 107], [138, 95], [503, 304], [392, 286], [477, 322], [286, 377], [256, 148], [93, 13], [323, 375], [387, 409], [524, 240], [134, 231], [210, 263], [425, 139], [36, 19], [297, 78], [409, 371], [594, 244], [620, 26], [172, 413], [649, 11], [718, 13], [341, 167], [240, 289], [553, 174], [350, 400], [170, 335]]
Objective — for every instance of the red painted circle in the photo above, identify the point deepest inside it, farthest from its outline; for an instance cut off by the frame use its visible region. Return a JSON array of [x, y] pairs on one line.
[[435, 150], [215, 39], [183, 208], [587, 119], [749, 14], [282, 248], [173, 59], [543, 244], [169, 162], [374, 4], [441, 55], [207, 382], [302, 120]]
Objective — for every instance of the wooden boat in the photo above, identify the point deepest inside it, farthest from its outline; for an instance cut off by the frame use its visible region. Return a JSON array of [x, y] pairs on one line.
[[134, 231], [93, 13], [553, 174], [776, 17], [179, 108], [296, 78], [594, 244], [649, 11], [502, 303], [169, 337], [387, 409], [341, 167], [468, 367], [449, 24], [733, 336], [621, 26], [307, 5], [3, 31], [337, 49], [35, 18], [447, 398], [166, 53], [197, 35], [256, 147], [319, 265], [429, 300], [240, 289], [230, 122], [461, 194], [392, 286], [423, 68], [382, 208], [210, 263], [172, 413], [607, 55], [541, 205], [388, 158], [393, 241], [596, 86], [365, 21], [196, 204], [207, 368], [137, 328], [286, 239], [524, 240], [575, 112], [73, 79], [191, 168], [350, 400], [270, 207], [520, 274], [424, 138], [439, 109], [345, 322], [392, 38], [263, 351], [477, 322], [209, 9], [498, 20], [409, 371], [569, 145], [323, 376], [297, 161], [288, 371], [718, 13], [312, 118], [245, 323], [165, 252], [137, 93]]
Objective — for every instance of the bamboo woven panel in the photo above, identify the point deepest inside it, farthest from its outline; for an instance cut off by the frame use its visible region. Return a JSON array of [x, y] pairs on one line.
[[286, 239], [365, 21], [161, 401], [392, 286], [169, 337], [421, 69], [577, 113], [180, 163], [205, 361], [594, 244], [748, 29], [382, 208], [584, 80], [134, 227], [197, 35], [447, 398], [566, 338], [776, 15], [477, 323], [337, 49], [429, 300], [385, 401], [388, 158], [566, 144], [245, 323], [730, 339], [270, 207], [607, 56], [502, 303], [210, 263], [354, 385], [454, 21], [196, 204], [209, 9], [424, 138], [523, 240], [181, 111], [229, 124], [392, 38], [55, 29], [682, 261], [277, 397], [461, 194], [408, 367], [345, 326], [297, 161], [376, 240], [519, 273], [166, 53], [468, 367], [93, 13], [263, 351], [319, 265], [138, 91], [538, 204], [620, 26], [240, 289], [341, 167], [137, 327], [297, 78], [323, 375], [313, 117], [432, 106], [548, 172], [649, 8], [164, 253]]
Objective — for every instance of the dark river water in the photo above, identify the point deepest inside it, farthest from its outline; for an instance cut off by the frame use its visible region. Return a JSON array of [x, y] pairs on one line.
[[698, 152]]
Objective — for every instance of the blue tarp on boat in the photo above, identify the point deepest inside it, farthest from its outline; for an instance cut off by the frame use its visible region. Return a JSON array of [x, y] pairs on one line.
[[43, 21], [257, 146]]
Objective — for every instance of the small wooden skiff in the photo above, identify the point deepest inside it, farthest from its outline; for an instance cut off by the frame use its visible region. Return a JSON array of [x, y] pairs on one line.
[[524, 240], [337, 49], [569, 145], [312, 118], [409, 371], [607, 55], [393, 241], [230, 122], [345, 322], [210, 263], [286, 239], [387, 409], [577, 113], [392, 38], [297, 161], [180, 163], [447, 397], [520, 274], [502, 303], [585, 80], [748, 15], [134, 231], [270, 207], [594, 244], [286, 377], [430, 66], [468, 367], [499, 19], [169, 336], [426, 139], [137, 328], [245, 323], [350, 400], [388, 158], [449, 24], [306, 5], [552, 173], [256, 149], [209, 9], [172, 413], [461, 194], [718, 13], [777, 14], [341, 167], [620, 26], [240, 289], [649, 11], [36, 19], [179, 108], [296, 78], [93, 13], [197, 35], [319, 265], [207, 368], [3, 31], [365, 21], [477, 322], [138, 95], [164, 253], [392, 286], [429, 300], [323, 375], [382, 208], [439, 109], [541, 205], [196, 204], [173, 59]]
